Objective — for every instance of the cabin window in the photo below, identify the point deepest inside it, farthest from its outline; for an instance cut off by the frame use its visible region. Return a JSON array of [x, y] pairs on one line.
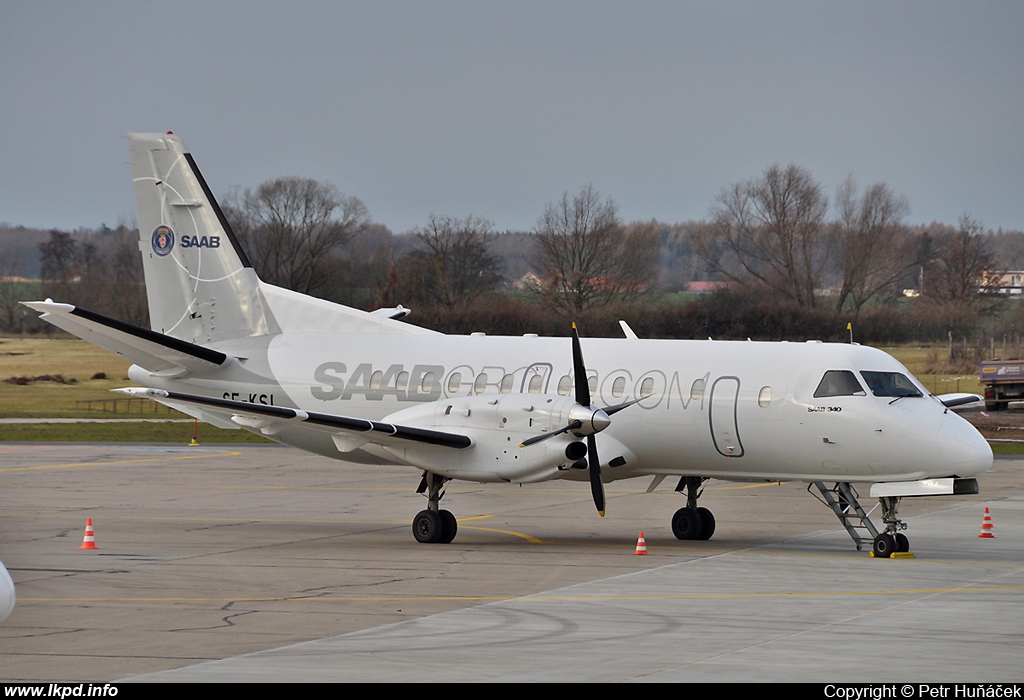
[[647, 387], [764, 397], [480, 384], [506, 384], [564, 385], [697, 390], [618, 387], [375, 380], [427, 383], [592, 384], [402, 381], [535, 384], [838, 382], [454, 382], [890, 384]]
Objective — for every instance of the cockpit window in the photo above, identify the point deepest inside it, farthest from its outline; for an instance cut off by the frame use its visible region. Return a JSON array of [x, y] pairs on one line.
[[890, 384], [838, 382]]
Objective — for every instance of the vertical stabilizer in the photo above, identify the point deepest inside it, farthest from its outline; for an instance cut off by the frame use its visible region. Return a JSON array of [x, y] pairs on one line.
[[200, 284]]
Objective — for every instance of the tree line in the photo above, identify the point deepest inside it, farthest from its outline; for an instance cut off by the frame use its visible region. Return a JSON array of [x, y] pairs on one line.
[[786, 260]]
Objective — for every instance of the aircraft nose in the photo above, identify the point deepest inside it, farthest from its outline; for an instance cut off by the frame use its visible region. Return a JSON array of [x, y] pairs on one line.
[[966, 452]]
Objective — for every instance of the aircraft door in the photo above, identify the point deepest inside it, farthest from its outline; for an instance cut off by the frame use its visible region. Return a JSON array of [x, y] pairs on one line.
[[725, 431]]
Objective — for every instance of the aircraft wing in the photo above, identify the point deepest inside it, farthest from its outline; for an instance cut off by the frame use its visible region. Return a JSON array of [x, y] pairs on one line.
[[348, 433], [155, 352]]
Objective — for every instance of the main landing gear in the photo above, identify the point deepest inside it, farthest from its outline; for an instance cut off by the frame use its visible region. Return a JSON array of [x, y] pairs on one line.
[[434, 525], [691, 522]]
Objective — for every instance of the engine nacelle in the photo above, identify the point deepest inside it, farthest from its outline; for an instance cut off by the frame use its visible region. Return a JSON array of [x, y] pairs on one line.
[[498, 425]]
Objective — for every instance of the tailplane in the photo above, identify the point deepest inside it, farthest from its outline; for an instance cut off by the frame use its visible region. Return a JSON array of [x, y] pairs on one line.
[[200, 284]]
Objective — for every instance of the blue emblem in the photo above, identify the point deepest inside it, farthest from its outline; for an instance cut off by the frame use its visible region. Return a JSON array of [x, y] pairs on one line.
[[163, 240]]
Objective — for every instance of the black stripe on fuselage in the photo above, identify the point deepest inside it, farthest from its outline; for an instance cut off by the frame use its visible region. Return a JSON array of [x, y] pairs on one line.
[[360, 425]]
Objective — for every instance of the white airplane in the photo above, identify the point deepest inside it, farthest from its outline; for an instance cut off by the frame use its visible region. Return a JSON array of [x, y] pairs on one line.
[[236, 352], [7, 595]]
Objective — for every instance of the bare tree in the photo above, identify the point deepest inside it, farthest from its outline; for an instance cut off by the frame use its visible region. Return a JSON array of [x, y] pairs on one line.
[[453, 263], [771, 231], [583, 248], [293, 228], [961, 258], [875, 249], [11, 290]]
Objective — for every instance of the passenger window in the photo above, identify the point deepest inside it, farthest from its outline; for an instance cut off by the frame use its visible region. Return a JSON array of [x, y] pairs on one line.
[[427, 383], [506, 384], [764, 397], [454, 381], [564, 384], [647, 387], [535, 383], [697, 390], [480, 384], [838, 382], [402, 381], [375, 380], [618, 387]]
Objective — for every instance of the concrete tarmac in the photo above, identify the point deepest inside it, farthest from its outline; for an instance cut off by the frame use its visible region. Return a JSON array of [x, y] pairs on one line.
[[262, 563]]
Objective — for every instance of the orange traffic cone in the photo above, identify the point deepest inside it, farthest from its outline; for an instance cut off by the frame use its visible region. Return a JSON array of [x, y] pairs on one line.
[[986, 526], [641, 545], [89, 540]]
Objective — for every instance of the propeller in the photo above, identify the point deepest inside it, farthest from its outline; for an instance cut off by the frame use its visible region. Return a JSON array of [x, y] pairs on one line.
[[585, 420]]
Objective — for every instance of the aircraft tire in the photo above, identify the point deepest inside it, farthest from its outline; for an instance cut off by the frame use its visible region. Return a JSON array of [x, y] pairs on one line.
[[686, 524], [902, 543], [707, 524], [449, 526], [884, 545], [428, 527]]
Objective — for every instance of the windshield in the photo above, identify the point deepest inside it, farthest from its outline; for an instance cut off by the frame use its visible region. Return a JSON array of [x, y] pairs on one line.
[[838, 382], [892, 384]]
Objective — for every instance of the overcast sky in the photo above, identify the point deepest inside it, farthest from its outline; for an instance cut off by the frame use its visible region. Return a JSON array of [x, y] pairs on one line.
[[496, 108]]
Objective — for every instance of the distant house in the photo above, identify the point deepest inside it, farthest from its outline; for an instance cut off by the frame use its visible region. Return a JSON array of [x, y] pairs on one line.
[[705, 287], [1003, 282], [529, 281]]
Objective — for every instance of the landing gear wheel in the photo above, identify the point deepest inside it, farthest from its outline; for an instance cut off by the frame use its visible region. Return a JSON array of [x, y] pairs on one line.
[[707, 524], [686, 524], [884, 545], [428, 527], [449, 526], [902, 543]]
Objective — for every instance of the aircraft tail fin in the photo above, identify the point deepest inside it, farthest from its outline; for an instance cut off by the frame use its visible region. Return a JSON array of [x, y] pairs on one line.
[[200, 284]]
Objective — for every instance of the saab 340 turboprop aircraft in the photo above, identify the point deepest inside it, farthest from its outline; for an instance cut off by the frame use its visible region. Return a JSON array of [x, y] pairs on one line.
[[360, 386]]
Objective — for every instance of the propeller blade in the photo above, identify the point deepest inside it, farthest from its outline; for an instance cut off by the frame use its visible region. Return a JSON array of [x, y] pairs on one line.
[[575, 425], [596, 485], [612, 410], [579, 370]]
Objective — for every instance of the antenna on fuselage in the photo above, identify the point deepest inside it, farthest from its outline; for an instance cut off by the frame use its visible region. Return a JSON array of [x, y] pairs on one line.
[[849, 327]]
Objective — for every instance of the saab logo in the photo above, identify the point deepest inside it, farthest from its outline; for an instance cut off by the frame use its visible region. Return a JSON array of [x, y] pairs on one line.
[[163, 240], [200, 241]]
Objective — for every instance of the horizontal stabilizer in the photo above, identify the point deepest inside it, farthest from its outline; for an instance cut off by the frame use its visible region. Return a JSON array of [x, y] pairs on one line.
[[155, 352], [270, 420]]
